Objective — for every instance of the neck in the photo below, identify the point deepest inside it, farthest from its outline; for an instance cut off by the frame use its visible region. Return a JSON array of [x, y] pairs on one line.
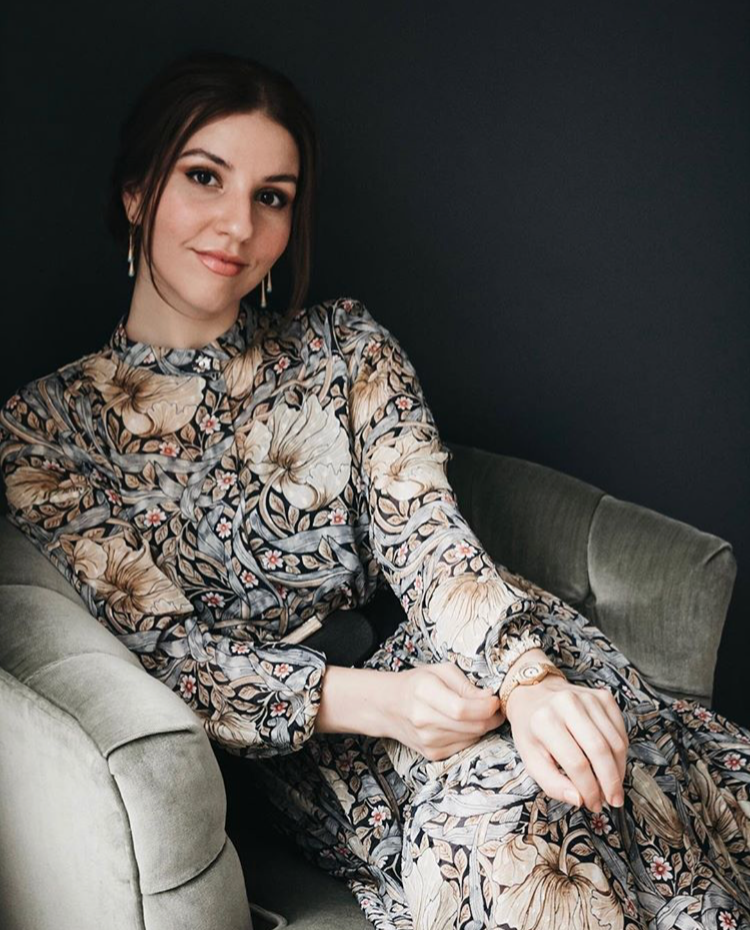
[[153, 321]]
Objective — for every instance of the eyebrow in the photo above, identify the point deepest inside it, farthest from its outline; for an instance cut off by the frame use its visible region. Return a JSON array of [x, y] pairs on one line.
[[225, 164]]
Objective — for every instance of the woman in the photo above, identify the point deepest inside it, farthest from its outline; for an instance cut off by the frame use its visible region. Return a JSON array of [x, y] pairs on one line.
[[219, 477]]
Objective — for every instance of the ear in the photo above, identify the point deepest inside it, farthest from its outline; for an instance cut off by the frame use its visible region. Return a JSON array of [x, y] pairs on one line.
[[132, 202]]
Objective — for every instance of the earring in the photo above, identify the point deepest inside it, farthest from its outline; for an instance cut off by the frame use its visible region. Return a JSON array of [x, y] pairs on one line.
[[265, 288], [131, 270]]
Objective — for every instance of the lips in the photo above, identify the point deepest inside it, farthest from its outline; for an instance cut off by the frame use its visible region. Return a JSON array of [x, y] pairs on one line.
[[214, 262]]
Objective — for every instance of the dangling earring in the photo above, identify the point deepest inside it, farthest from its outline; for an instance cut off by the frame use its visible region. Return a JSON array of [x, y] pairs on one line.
[[265, 288], [131, 270]]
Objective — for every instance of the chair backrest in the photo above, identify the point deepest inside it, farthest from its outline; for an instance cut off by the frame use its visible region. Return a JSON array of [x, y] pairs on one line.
[[657, 587]]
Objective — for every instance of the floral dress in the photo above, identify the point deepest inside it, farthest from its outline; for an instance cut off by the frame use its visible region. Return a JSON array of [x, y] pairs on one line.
[[210, 505]]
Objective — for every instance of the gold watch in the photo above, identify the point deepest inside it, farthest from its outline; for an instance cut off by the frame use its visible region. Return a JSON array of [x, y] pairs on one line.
[[528, 674]]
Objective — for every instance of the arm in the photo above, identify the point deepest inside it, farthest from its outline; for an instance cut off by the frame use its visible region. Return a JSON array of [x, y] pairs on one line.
[[255, 698], [428, 553]]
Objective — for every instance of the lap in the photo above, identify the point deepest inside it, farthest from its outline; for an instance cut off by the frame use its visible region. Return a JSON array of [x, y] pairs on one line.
[[473, 835]]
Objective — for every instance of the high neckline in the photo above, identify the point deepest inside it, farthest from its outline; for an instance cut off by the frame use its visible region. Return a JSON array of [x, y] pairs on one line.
[[205, 360]]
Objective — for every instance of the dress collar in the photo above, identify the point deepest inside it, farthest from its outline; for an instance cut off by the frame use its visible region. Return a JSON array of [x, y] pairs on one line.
[[206, 360]]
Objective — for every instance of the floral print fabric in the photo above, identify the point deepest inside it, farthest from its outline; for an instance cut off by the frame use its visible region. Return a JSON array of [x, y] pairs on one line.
[[473, 842], [206, 503]]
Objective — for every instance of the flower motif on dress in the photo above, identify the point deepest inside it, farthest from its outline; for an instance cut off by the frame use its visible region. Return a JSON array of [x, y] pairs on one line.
[[154, 516], [600, 823], [31, 487], [224, 528], [462, 550], [150, 404], [248, 578], [240, 649], [379, 817], [272, 560], [209, 423], [466, 606], [167, 447], [127, 578], [279, 708], [404, 469], [369, 392], [302, 454], [559, 889], [240, 371], [337, 516], [727, 921], [723, 816], [282, 364], [661, 869], [213, 599], [188, 686], [226, 479], [733, 761], [656, 809], [435, 901]]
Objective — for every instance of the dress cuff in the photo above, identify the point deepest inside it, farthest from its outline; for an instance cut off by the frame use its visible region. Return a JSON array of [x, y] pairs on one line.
[[519, 631]]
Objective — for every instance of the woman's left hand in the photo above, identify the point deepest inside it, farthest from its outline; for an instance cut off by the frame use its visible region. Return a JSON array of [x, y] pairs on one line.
[[581, 730]]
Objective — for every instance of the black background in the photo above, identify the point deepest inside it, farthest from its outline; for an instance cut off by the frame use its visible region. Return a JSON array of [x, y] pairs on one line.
[[546, 202]]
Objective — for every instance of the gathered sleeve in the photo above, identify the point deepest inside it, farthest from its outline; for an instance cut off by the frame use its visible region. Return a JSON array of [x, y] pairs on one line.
[[255, 698], [433, 561]]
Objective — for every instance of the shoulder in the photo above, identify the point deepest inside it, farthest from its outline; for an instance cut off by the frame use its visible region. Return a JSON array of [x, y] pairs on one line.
[[352, 326], [45, 404]]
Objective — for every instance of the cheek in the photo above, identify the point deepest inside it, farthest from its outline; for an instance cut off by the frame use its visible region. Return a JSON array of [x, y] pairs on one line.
[[276, 235], [176, 220]]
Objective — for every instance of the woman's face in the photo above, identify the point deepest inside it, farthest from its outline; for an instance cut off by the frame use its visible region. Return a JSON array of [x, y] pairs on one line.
[[235, 197]]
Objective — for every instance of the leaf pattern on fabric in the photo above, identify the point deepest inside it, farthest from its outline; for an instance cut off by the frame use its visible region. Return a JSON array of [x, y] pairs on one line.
[[207, 502]]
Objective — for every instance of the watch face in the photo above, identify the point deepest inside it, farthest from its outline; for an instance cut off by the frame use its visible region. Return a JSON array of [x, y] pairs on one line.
[[530, 672]]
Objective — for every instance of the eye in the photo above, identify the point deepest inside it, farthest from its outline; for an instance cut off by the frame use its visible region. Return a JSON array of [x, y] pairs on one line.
[[194, 172], [273, 198]]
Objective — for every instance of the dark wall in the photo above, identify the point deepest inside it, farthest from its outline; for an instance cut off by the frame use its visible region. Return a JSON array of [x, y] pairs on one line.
[[546, 202]]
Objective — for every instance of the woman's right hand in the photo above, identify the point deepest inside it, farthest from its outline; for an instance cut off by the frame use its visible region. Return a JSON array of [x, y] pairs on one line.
[[438, 711]]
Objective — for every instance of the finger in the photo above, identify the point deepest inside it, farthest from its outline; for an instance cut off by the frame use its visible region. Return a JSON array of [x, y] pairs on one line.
[[443, 697], [575, 763], [598, 714], [544, 770], [612, 709], [462, 684], [597, 750], [453, 713]]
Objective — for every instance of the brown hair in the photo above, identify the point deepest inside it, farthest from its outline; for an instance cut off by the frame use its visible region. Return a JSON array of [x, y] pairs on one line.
[[179, 100]]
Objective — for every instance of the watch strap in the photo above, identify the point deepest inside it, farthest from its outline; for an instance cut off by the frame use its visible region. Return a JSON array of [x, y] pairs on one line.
[[515, 678]]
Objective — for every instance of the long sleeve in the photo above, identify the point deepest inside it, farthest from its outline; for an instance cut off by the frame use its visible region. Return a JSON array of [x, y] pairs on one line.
[[433, 561], [256, 698]]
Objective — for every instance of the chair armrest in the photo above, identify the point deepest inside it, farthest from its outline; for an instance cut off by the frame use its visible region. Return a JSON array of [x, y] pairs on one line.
[[658, 587], [112, 804]]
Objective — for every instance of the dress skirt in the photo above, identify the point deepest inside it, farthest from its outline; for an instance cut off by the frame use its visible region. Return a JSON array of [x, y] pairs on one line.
[[473, 842]]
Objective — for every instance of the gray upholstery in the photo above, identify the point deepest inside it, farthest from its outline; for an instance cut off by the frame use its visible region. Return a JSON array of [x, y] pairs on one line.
[[112, 803]]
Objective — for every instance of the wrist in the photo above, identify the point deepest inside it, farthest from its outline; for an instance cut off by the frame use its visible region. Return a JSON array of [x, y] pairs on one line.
[[357, 700], [516, 702], [531, 655]]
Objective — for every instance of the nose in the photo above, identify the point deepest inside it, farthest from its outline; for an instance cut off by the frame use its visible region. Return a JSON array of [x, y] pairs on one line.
[[236, 216]]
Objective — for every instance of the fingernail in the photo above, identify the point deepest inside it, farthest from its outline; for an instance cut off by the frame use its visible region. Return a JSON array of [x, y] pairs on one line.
[[572, 797], [618, 799]]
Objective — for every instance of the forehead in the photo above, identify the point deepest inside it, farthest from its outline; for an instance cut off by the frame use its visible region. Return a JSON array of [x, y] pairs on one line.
[[248, 141]]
